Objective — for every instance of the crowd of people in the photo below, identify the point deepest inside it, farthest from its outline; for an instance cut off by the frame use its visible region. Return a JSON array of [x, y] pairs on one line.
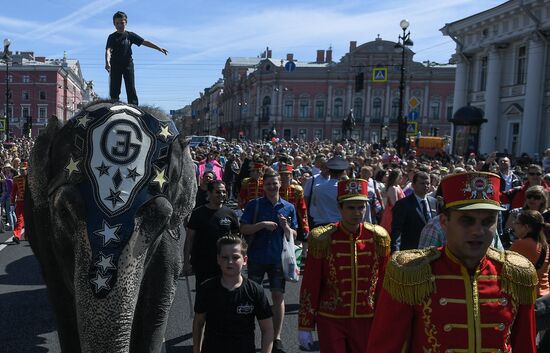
[[333, 197]]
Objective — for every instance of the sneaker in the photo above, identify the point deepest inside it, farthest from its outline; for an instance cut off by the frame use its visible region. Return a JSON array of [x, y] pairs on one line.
[[278, 347], [15, 240]]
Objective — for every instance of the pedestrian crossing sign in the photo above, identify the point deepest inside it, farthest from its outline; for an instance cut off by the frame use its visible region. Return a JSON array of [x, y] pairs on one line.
[[380, 74], [412, 128], [2, 125]]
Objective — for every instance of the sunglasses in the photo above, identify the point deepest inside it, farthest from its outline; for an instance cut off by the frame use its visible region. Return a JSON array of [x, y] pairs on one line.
[[534, 197], [534, 174]]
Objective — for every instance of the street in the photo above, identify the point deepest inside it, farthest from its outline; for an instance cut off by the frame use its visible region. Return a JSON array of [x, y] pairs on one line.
[[27, 324]]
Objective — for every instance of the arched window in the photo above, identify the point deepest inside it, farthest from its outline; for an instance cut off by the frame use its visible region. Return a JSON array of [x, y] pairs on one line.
[[338, 108], [358, 109], [289, 108], [377, 108], [320, 109], [435, 106], [266, 103], [304, 108], [394, 109]]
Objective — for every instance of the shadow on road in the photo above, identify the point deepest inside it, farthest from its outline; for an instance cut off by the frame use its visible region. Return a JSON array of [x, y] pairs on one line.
[[171, 344], [22, 324], [15, 277]]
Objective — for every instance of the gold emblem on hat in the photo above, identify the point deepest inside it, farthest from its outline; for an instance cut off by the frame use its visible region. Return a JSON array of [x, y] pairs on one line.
[[478, 187], [353, 187]]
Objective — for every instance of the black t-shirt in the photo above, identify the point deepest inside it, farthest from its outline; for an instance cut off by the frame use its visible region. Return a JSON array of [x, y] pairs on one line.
[[121, 46], [210, 225], [230, 315], [201, 198]]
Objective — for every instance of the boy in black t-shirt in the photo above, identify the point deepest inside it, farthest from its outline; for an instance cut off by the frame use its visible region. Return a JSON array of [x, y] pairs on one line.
[[228, 305], [118, 58]]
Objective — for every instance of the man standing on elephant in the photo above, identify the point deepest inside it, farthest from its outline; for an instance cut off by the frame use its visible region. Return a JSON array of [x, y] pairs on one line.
[[267, 220]]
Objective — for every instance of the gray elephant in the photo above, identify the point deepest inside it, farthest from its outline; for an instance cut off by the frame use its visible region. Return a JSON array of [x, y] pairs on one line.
[[106, 196]]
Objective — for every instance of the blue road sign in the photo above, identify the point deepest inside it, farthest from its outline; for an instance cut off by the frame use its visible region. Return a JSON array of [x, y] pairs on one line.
[[413, 115], [290, 66]]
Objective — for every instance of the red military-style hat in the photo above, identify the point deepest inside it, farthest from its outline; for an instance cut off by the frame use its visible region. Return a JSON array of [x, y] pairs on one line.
[[284, 168], [352, 190], [472, 191]]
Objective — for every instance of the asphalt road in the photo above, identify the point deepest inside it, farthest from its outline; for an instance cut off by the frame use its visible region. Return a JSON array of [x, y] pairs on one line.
[[26, 319]]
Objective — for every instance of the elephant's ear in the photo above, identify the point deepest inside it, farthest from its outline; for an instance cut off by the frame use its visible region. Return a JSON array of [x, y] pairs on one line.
[[40, 162]]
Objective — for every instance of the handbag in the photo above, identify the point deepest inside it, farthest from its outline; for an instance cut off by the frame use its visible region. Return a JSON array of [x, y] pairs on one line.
[[288, 259]]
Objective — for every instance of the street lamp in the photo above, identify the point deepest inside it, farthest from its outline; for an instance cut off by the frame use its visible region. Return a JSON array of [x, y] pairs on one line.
[[403, 41], [7, 58]]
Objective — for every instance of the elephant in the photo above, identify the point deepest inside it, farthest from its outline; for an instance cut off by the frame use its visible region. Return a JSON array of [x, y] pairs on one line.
[[107, 194]]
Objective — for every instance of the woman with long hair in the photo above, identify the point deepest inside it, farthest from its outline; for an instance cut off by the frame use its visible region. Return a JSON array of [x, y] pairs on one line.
[[536, 199], [394, 193], [529, 226]]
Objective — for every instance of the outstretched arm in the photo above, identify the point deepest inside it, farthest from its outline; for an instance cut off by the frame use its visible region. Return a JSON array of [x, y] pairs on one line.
[[154, 46], [108, 59]]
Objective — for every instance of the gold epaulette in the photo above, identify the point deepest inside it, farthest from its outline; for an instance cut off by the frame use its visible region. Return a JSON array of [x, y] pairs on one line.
[[408, 276], [245, 182], [381, 238], [319, 241], [518, 278], [298, 191]]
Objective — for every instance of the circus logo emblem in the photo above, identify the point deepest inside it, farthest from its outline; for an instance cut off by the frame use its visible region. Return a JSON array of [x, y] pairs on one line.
[[353, 187], [479, 187], [118, 161]]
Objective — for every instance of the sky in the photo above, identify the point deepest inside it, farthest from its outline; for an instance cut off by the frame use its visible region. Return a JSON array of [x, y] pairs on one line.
[[201, 35]]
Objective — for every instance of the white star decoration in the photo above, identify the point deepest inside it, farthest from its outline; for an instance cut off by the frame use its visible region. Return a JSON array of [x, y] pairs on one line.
[[83, 121], [105, 263], [160, 178], [108, 233], [165, 132], [100, 282], [72, 167]]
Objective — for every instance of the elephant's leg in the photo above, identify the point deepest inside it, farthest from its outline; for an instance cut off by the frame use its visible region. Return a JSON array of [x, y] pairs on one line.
[[157, 293], [61, 298]]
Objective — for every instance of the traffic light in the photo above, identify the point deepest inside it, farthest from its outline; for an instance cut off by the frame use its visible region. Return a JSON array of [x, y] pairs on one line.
[[359, 79]]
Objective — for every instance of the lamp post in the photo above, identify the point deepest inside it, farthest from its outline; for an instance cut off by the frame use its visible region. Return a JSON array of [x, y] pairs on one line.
[[6, 58], [403, 42]]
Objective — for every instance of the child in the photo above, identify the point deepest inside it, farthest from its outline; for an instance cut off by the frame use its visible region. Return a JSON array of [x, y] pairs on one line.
[[118, 58], [228, 305]]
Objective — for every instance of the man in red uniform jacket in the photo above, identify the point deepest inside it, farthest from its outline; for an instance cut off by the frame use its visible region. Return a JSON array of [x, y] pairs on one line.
[[252, 187], [345, 267], [17, 198], [465, 296]]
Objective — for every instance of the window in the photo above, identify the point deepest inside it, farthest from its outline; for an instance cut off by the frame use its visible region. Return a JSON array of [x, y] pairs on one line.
[[521, 73], [266, 103], [289, 108], [304, 108], [358, 109], [320, 109], [42, 95], [377, 108], [25, 111], [25, 95], [287, 133], [26, 79], [338, 108], [336, 134], [483, 74], [449, 109], [42, 112], [10, 78], [394, 109], [42, 78], [302, 134], [434, 109], [318, 134], [8, 111]]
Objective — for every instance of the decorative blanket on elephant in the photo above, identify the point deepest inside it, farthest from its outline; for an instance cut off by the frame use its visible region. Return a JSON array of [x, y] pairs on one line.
[[119, 162]]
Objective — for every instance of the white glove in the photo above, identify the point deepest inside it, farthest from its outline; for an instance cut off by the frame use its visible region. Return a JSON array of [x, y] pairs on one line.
[[305, 338]]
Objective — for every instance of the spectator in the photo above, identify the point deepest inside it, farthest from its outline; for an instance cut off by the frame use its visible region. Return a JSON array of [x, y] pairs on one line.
[[394, 193], [202, 193], [207, 224], [228, 305], [266, 220]]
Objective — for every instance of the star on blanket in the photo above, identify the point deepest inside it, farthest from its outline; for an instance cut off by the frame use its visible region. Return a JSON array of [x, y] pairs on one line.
[[83, 121], [108, 233], [165, 132], [160, 178], [105, 263], [72, 167], [114, 197], [132, 174], [103, 169], [100, 282]]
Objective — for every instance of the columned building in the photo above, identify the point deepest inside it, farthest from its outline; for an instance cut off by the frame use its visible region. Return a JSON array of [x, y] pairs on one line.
[[502, 68], [309, 100]]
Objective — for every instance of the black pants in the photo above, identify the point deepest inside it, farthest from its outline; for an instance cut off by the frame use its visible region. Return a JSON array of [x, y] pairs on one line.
[[117, 72]]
